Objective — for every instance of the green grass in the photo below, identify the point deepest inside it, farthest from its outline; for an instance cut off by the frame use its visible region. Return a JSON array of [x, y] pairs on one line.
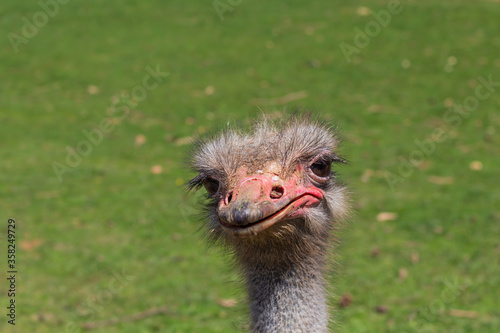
[[112, 214]]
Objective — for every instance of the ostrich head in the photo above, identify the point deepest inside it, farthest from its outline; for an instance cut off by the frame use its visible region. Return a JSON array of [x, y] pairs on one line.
[[273, 185], [273, 199]]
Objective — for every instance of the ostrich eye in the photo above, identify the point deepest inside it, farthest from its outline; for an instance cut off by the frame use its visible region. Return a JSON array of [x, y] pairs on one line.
[[321, 169], [211, 185]]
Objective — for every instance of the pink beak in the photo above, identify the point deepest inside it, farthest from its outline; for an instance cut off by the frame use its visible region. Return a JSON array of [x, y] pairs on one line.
[[258, 202]]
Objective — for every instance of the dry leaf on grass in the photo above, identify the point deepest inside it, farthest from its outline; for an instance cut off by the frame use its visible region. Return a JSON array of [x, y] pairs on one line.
[[156, 169], [386, 216], [403, 273], [424, 165], [183, 141], [381, 309], [92, 90], [463, 313], [363, 11], [29, 245], [476, 165], [375, 252], [43, 317], [227, 303], [140, 140], [375, 108], [209, 90], [415, 258], [367, 174], [47, 194], [441, 180], [345, 300]]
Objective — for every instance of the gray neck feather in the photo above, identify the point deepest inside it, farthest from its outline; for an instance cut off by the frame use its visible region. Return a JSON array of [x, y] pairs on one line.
[[286, 295]]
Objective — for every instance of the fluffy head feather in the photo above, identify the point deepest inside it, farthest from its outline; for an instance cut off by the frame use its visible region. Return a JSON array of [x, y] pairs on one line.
[[290, 144]]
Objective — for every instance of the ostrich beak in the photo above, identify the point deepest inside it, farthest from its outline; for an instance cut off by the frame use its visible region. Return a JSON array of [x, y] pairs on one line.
[[259, 202]]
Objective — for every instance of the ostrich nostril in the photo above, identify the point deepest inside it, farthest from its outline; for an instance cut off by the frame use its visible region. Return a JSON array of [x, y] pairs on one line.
[[277, 192], [229, 197]]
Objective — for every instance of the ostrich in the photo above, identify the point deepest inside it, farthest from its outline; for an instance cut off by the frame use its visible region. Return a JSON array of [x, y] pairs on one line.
[[273, 202]]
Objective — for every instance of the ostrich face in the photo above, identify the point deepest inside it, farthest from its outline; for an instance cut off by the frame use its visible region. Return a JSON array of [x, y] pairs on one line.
[[260, 199], [271, 182]]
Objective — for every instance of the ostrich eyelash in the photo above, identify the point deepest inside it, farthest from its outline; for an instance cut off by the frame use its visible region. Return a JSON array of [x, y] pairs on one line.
[[196, 183], [339, 159], [199, 181]]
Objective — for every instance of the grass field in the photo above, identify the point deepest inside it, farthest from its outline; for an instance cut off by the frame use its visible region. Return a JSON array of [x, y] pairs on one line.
[[103, 227]]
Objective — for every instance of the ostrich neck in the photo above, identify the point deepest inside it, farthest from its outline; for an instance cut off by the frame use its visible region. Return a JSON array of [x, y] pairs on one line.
[[286, 294]]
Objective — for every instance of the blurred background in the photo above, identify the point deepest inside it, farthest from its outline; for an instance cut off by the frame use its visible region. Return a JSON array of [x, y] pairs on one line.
[[100, 100]]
